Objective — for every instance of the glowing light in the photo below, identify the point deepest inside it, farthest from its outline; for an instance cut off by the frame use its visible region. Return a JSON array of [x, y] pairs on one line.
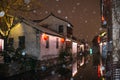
[[103, 34], [68, 40], [82, 63], [66, 17], [74, 69], [68, 25], [103, 18], [62, 40], [45, 37], [27, 1], [98, 39], [78, 4], [99, 71], [91, 51], [2, 13], [59, 11]]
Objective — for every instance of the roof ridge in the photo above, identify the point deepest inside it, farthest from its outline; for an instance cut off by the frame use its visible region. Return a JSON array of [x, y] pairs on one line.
[[51, 14]]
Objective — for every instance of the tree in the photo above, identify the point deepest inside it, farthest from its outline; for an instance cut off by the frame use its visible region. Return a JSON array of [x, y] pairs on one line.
[[65, 58], [9, 10], [10, 7]]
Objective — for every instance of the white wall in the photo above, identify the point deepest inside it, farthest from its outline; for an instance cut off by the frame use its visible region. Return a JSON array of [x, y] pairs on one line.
[[52, 51], [54, 23], [74, 48], [21, 29]]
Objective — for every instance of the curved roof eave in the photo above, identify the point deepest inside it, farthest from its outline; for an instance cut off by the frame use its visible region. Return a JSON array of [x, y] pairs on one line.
[[51, 14], [40, 28]]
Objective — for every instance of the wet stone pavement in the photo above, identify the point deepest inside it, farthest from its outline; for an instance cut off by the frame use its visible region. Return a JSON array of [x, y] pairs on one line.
[[36, 75], [86, 72]]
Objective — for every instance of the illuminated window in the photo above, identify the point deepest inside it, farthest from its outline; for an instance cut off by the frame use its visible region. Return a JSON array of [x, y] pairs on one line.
[[22, 41], [57, 43], [47, 42]]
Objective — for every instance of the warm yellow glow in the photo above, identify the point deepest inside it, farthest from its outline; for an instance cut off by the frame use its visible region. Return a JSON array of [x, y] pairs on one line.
[[17, 30], [103, 78], [102, 34], [103, 18], [9, 21]]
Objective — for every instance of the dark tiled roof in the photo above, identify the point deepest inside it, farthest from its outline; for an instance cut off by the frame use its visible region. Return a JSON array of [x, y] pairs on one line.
[[51, 14]]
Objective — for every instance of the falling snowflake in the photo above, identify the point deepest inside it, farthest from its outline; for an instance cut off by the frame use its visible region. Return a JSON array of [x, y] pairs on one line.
[[27, 1], [40, 13], [59, 75], [86, 21], [87, 36], [73, 11], [78, 4], [96, 33], [94, 12], [34, 11], [74, 7], [2, 13], [57, 0], [46, 12], [100, 29], [43, 68], [28, 6], [71, 79], [59, 11], [70, 65], [85, 9], [57, 5], [68, 25], [66, 17], [53, 72], [63, 66]]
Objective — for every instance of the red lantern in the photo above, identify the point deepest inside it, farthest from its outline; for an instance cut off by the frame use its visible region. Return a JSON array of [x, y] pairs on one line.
[[99, 71], [98, 39], [62, 40], [45, 37]]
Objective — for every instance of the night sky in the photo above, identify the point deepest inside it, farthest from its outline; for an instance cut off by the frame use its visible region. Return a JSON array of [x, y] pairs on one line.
[[84, 15]]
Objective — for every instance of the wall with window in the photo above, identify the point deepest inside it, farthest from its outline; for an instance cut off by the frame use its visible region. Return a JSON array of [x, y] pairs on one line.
[[58, 25], [25, 36], [50, 46]]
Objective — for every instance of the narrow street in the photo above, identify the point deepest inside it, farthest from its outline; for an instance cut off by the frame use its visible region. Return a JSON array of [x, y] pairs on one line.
[[87, 72]]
